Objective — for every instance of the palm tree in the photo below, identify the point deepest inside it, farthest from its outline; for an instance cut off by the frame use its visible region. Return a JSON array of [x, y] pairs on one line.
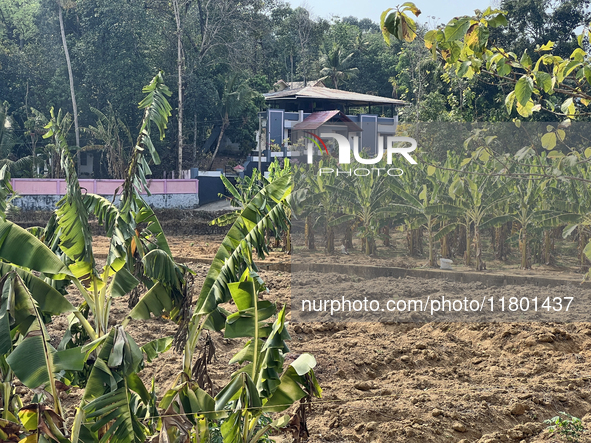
[[8, 141], [116, 141], [337, 65], [234, 97]]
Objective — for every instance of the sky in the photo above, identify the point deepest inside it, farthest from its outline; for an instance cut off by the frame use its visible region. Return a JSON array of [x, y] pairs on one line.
[[432, 11]]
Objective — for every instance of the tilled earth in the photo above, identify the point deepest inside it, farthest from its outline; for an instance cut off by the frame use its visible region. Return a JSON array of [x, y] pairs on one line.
[[412, 382]]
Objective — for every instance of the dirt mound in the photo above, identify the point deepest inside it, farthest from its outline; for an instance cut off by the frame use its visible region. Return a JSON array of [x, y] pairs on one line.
[[412, 382], [175, 222]]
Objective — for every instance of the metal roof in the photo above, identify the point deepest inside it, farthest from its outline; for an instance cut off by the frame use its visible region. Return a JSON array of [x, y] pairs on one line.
[[323, 93], [282, 85], [317, 119]]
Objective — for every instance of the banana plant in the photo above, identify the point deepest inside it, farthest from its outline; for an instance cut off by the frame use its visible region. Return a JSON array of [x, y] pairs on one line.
[[412, 179], [246, 188], [25, 303], [427, 208], [259, 387], [120, 223], [268, 210], [320, 201], [531, 203], [571, 204], [474, 202], [527, 212], [116, 406], [34, 273], [301, 207], [365, 203]]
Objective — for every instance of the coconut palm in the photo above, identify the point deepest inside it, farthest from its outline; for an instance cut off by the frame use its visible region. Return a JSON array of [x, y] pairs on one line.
[[115, 141], [8, 141], [337, 66], [234, 96]]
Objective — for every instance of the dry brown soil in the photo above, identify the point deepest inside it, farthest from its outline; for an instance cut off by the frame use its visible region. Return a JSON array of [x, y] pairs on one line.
[[433, 382]]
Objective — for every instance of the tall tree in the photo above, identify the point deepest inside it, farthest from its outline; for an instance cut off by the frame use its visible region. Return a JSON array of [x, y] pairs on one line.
[[179, 33], [533, 21], [234, 96], [67, 4], [337, 66]]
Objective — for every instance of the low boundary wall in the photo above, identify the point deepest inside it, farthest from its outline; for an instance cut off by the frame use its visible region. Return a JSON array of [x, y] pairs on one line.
[[43, 194]]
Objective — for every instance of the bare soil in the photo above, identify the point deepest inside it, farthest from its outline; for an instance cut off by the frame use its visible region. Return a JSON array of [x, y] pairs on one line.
[[411, 382]]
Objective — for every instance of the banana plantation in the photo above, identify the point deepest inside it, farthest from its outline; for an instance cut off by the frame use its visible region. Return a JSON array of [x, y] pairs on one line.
[[488, 196], [482, 195], [42, 268]]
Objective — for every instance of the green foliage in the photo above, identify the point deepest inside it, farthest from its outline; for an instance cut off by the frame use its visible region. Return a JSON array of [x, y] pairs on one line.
[[567, 426], [336, 66], [247, 187], [264, 212], [540, 79], [399, 23], [19, 19], [259, 387], [532, 22], [75, 237], [116, 142], [104, 359], [29, 302], [477, 189]]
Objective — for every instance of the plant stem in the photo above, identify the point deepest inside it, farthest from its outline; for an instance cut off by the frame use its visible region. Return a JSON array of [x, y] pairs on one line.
[[430, 228], [195, 328], [106, 302], [468, 242], [98, 312], [78, 419], [6, 398], [48, 363], [246, 425], [477, 246], [84, 294], [87, 326], [256, 335]]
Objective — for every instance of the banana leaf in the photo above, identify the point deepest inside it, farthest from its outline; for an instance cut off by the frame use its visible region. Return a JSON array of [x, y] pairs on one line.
[[34, 361], [23, 249], [232, 257], [74, 235], [292, 383]]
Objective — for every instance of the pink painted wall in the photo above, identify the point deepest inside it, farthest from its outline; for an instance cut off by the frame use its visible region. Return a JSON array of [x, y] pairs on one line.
[[181, 186], [42, 186], [107, 187]]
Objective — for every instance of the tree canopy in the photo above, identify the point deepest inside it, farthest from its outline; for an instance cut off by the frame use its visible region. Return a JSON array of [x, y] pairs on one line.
[[523, 57]]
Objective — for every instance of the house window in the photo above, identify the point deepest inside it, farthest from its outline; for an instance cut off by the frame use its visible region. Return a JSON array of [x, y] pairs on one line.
[[83, 158]]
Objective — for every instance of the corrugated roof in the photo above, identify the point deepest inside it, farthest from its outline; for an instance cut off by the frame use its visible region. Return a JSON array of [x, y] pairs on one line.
[[323, 93], [317, 119]]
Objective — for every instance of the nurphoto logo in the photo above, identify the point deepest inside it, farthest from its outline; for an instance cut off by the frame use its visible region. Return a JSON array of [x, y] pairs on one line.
[[395, 145]]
